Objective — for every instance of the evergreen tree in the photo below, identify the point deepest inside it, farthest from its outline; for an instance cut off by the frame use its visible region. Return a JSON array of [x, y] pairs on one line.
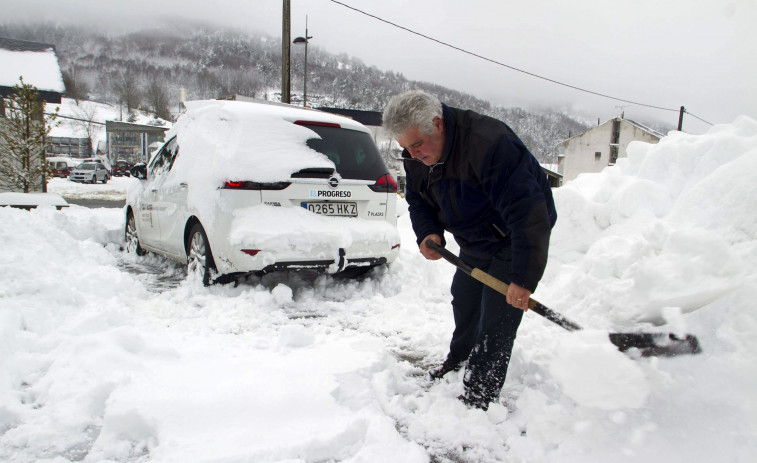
[[23, 140]]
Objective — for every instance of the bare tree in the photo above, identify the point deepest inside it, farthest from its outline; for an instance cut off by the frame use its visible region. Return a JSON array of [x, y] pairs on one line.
[[157, 98], [85, 114], [247, 82], [76, 89], [23, 139], [125, 87]]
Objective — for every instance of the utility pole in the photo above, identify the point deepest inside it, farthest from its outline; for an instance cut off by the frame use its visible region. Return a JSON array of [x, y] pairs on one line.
[[680, 119], [286, 37], [305, 79]]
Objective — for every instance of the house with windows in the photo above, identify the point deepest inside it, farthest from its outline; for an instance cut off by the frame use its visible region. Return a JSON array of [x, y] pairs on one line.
[[601, 146]]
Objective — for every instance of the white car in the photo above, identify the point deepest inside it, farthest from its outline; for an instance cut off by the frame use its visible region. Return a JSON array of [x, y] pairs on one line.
[[245, 187], [89, 172]]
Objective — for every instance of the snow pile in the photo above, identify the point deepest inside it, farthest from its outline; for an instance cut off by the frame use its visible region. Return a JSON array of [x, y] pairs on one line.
[[670, 226], [109, 357]]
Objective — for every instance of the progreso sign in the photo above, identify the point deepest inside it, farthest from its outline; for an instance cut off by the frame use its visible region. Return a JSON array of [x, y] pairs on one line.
[[330, 194]]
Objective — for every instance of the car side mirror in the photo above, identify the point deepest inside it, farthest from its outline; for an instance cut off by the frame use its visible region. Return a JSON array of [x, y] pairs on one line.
[[139, 171]]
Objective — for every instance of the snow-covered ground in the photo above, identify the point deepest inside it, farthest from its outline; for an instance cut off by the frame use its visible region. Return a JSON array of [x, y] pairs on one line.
[[114, 190], [109, 357]]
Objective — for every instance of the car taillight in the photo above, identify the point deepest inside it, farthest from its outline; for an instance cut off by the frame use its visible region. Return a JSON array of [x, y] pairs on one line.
[[385, 184], [235, 185], [251, 252]]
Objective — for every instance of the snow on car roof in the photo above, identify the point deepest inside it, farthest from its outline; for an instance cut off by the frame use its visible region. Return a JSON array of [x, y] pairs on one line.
[[234, 140]]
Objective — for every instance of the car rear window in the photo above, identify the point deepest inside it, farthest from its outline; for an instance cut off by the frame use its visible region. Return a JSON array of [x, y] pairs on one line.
[[353, 152]]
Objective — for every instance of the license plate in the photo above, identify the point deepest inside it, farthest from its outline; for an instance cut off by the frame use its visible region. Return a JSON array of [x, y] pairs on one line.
[[333, 209]]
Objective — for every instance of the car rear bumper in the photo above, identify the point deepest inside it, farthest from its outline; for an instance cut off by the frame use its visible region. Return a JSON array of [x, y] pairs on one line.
[[293, 238]]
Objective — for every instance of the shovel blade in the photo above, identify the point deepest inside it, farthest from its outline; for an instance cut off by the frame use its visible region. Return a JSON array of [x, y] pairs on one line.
[[656, 344]]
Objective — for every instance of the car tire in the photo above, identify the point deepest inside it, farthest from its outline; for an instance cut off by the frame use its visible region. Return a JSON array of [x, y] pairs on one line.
[[94, 179], [131, 238], [105, 180], [199, 256]]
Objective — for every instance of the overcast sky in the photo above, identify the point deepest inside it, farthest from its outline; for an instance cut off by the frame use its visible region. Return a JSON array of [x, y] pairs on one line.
[[701, 54]]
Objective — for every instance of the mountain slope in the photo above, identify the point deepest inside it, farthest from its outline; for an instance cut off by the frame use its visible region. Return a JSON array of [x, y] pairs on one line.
[[210, 62]]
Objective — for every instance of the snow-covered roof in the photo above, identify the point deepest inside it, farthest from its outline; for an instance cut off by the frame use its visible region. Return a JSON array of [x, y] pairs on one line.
[[36, 62], [638, 125], [643, 127]]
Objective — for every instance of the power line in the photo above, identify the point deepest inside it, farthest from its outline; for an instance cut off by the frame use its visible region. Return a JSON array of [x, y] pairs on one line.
[[507, 65], [74, 118], [697, 117]]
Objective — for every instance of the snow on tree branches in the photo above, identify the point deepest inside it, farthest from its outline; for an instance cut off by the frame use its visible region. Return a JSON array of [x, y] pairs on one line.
[[23, 139]]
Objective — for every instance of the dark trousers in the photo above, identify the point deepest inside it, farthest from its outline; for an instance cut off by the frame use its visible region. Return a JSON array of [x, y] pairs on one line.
[[485, 327]]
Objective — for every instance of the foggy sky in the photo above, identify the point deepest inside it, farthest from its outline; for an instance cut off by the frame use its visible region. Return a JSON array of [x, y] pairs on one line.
[[694, 53]]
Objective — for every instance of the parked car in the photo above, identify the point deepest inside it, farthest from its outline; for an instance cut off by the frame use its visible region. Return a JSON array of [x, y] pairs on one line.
[[62, 166], [89, 172], [243, 188], [121, 167], [59, 168], [102, 159]]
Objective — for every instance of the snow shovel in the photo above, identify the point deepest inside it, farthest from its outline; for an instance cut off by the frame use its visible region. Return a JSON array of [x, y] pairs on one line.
[[648, 344]]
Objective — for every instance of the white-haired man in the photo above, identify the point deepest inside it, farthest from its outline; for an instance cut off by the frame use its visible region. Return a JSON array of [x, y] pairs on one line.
[[470, 175]]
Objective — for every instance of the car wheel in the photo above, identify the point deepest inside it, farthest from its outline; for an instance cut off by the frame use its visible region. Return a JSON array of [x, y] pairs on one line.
[[93, 180], [131, 238], [199, 257], [105, 180]]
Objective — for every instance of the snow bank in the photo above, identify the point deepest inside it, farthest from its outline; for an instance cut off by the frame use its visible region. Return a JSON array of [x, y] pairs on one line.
[[666, 227], [99, 361]]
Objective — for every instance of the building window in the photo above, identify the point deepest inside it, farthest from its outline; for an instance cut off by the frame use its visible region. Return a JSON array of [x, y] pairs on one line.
[[597, 156]]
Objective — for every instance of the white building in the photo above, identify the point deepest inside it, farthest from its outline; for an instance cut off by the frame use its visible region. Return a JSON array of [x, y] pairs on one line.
[[601, 146]]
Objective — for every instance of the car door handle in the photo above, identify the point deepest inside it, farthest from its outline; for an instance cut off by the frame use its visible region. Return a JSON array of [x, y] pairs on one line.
[[183, 185]]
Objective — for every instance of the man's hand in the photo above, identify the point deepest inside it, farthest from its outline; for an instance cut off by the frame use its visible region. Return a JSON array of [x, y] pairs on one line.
[[517, 296], [429, 253]]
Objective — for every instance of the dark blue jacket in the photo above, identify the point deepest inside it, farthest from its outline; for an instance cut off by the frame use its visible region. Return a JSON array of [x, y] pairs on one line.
[[488, 191]]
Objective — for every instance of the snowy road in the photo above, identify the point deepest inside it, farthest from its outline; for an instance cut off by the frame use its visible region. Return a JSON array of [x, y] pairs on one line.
[[109, 357]]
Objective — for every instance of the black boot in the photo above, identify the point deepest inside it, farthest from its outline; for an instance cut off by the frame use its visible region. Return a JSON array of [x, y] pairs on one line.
[[444, 368], [473, 402]]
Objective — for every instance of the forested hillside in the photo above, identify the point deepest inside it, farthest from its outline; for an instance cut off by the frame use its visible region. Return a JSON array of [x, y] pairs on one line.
[[147, 68]]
